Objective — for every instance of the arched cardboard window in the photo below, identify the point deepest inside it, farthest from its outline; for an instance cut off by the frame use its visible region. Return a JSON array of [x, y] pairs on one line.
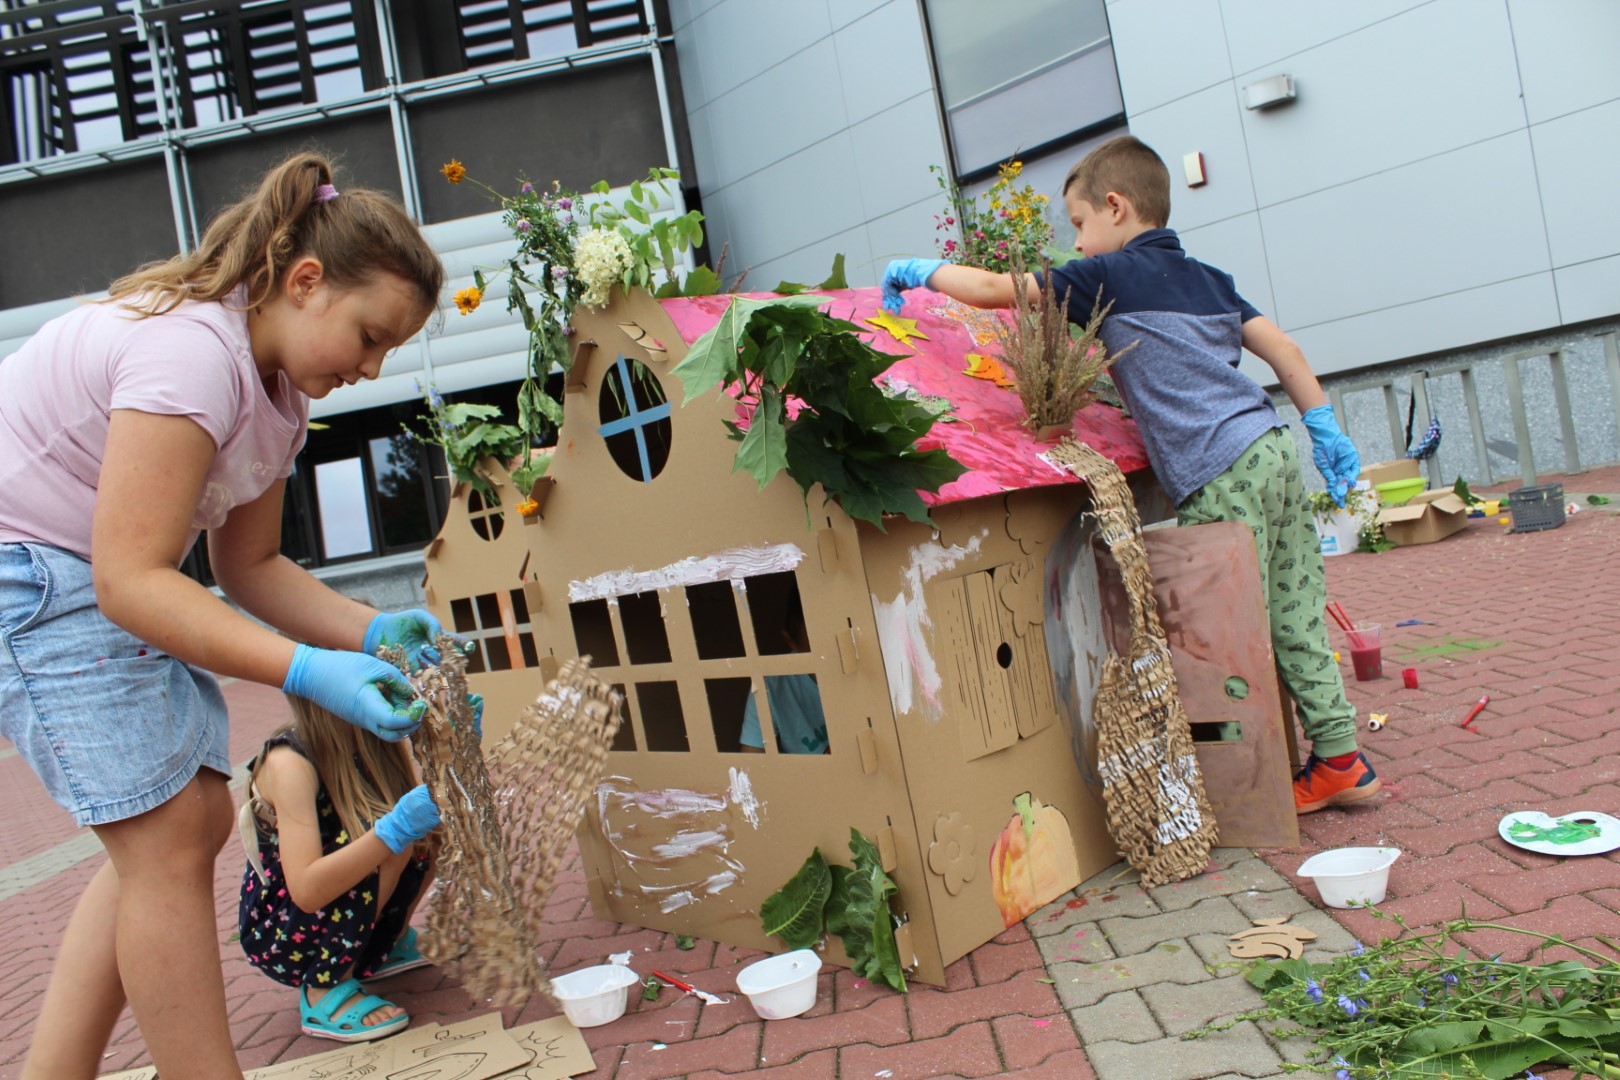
[[635, 419]]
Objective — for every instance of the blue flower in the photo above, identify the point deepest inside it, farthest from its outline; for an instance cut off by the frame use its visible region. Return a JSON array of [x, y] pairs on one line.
[[1449, 979], [1364, 976], [1350, 1008], [1358, 950], [1313, 990], [1343, 1073], [1528, 1075]]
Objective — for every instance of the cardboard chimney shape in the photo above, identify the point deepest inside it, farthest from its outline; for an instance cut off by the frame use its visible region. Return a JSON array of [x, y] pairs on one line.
[[955, 667]]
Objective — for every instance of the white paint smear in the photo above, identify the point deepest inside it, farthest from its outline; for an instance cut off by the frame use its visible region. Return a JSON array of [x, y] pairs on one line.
[[743, 797], [734, 565], [913, 675]]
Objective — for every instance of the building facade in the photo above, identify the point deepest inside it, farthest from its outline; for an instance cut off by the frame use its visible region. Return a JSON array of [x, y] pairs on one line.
[[1416, 193]]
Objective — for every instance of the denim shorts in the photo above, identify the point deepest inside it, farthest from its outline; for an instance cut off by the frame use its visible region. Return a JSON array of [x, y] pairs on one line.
[[111, 725]]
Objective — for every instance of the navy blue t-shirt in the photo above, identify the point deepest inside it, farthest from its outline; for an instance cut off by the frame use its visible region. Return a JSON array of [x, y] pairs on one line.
[[1196, 411]]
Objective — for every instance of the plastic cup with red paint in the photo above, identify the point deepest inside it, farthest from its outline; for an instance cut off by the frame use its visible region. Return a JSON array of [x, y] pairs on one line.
[[1367, 651]]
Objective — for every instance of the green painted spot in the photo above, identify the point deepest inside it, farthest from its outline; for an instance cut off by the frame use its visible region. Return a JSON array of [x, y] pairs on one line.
[[1564, 831], [1237, 688], [1446, 647], [1169, 946]]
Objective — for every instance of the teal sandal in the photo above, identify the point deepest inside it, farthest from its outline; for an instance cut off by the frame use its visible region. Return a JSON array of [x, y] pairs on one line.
[[404, 956], [349, 1024]]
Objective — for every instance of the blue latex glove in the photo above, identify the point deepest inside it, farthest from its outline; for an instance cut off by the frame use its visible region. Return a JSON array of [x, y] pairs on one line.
[[413, 630], [362, 689], [906, 274], [477, 703], [1335, 455], [412, 818]]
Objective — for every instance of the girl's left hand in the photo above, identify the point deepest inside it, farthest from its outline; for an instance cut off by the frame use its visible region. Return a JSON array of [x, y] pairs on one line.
[[414, 631]]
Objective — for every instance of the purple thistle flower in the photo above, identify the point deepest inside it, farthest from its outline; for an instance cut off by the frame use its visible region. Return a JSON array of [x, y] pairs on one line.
[[559, 272], [523, 225], [566, 203], [1313, 990], [568, 330], [527, 188]]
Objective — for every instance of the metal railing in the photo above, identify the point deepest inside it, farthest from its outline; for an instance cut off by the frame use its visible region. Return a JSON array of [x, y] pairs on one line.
[[1531, 404]]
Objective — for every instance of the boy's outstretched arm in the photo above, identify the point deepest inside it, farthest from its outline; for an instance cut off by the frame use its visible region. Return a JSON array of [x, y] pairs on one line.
[[1335, 455], [969, 284]]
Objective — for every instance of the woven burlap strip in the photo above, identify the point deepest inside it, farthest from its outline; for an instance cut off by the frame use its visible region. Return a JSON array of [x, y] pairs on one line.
[[506, 820], [1158, 813]]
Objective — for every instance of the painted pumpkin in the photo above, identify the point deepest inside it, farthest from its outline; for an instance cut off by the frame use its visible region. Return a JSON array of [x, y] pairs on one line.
[[1032, 861]]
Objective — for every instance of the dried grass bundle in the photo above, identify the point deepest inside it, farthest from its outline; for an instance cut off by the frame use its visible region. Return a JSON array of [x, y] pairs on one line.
[[1055, 368]]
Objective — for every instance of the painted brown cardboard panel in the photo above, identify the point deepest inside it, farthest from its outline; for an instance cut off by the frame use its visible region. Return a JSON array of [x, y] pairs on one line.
[[1206, 580]]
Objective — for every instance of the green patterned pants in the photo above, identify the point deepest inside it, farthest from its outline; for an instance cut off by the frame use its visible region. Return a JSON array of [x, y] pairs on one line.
[[1264, 491]]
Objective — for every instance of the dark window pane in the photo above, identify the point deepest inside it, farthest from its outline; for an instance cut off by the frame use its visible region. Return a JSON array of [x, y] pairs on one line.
[[645, 639], [462, 612], [714, 620], [625, 737], [661, 719], [593, 632], [728, 699], [777, 612], [489, 611]]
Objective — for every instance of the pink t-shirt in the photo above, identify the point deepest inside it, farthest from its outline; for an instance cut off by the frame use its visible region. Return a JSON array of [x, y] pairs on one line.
[[57, 391]]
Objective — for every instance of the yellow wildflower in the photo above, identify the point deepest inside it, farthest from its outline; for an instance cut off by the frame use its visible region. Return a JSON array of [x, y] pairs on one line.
[[528, 508], [468, 299], [454, 172]]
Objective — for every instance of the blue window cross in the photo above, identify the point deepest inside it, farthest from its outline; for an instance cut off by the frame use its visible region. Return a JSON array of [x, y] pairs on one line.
[[636, 418]]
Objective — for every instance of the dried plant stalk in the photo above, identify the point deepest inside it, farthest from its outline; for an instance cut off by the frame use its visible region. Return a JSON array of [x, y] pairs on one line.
[[476, 928], [1153, 792], [1055, 369], [544, 771]]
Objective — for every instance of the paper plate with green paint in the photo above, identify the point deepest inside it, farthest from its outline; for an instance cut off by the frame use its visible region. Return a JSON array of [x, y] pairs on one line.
[[1584, 832]]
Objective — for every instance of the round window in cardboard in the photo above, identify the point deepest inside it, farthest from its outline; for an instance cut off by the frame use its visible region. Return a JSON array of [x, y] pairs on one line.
[[634, 413]]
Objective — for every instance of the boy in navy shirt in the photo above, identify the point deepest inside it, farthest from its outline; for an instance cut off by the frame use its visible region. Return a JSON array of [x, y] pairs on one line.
[[1217, 446]]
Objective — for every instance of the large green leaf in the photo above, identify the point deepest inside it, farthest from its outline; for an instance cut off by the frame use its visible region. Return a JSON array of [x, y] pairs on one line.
[[763, 452], [868, 927], [712, 358], [794, 912]]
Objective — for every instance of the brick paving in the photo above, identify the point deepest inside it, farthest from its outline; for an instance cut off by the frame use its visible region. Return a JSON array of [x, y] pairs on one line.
[[1102, 982]]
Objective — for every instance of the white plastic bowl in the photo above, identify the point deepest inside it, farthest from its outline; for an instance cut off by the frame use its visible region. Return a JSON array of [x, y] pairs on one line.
[[781, 986], [594, 996], [1351, 875]]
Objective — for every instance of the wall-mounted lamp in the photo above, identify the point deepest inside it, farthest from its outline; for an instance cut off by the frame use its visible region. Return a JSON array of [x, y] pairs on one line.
[[1277, 90], [1193, 165]]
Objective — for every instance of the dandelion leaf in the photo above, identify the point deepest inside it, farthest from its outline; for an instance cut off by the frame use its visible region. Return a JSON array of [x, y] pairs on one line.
[[794, 912]]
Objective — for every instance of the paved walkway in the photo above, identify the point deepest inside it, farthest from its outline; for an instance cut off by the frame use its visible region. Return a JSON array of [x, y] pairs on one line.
[[1102, 982]]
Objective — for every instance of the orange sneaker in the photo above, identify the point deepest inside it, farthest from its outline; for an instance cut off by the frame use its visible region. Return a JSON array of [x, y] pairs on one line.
[[1320, 785]]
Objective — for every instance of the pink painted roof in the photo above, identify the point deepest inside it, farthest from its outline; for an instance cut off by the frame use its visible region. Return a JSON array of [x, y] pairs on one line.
[[988, 435]]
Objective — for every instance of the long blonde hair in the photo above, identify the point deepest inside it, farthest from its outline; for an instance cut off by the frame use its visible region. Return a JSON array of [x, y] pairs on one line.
[[356, 235], [364, 776]]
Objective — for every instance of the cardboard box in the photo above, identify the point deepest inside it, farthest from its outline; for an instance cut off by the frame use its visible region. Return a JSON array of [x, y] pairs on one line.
[[1429, 516], [1382, 472]]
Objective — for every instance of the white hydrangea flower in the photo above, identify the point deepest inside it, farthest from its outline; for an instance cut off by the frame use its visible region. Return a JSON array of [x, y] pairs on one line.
[[601, 257]]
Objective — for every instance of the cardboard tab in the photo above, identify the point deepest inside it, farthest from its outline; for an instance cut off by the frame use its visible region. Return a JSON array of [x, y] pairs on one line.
[[847, 656], [531, 596], [887, 852], [579, 365], [541, 494], [867, 743], [548, 666], [827, 545]]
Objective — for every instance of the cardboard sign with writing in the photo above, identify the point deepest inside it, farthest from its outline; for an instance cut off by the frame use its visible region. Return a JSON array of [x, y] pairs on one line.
[[147, 1073], [559, 1050], [478, 1049]]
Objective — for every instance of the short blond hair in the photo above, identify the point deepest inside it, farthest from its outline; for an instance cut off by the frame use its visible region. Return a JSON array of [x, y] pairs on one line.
[[1129, 167]]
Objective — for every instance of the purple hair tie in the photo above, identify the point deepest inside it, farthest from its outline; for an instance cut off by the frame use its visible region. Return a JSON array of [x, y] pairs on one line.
[[325, 193]]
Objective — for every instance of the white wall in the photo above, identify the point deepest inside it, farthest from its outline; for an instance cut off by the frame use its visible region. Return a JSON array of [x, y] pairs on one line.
[[813, 125], [1444, 178]]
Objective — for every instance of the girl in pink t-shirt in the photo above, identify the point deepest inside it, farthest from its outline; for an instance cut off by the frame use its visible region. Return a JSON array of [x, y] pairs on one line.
[[127, 427]]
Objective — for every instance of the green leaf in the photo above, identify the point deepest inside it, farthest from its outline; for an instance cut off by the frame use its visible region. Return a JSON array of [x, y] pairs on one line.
[[1598, 500], [763, 452], [1440, 1038], [651, 988], [701, 282], [789, 288], [713, 357], [635, 190], [794, 912], [684, 942], [1460, 489], [836, 279], [868, 935], [639, 212]]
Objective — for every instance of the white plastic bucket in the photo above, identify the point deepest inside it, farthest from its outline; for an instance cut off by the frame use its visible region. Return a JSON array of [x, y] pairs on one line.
[[781, 986], [596, 995], [1340, 532], [1351, 875]]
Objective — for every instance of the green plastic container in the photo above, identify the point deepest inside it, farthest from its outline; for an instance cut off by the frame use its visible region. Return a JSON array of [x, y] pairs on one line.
[[1396, 492]]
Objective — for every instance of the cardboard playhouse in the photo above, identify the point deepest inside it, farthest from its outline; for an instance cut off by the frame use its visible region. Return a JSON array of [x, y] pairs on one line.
[[955, 666]]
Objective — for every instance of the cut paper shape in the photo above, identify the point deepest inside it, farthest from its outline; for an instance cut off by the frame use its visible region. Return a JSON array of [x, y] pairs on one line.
[[1022, 588], [902, 330], [364, 1059], [475, 1049], [954, 854], [148, 1073], [654, 348], [1583, 832], [1032, 862], [558, 1047], [987, 368], [1270, 938]]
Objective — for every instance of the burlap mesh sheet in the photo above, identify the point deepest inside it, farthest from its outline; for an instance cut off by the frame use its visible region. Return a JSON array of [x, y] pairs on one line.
[[1158, 813], [507, 819]]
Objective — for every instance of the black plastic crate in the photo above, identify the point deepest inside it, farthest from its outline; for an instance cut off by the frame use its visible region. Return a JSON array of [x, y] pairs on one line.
[[1536, 508]]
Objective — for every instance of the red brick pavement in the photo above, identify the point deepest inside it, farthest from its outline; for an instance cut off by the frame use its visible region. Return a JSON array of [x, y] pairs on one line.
[[1524, 618]]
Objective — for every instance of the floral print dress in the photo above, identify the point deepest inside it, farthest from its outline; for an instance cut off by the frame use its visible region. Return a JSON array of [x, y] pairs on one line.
[[319, 948]]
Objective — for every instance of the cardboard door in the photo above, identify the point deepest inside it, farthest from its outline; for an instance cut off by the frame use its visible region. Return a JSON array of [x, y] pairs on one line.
[[1206, 580]]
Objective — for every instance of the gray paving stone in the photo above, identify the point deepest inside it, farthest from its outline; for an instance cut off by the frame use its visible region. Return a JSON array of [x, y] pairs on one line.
[[1121, 1017], [1272, 905], [1082, 943], [1180, 1009], [1297, 1050], [1101, 897], [1215, 914], [1085, 984], [1250, 874], [1241, 1051]]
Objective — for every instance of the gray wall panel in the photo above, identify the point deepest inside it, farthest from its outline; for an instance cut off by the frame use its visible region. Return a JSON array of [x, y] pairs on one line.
[[905, 136], [793, 203], [1262, 32], [1164, 49], [1444, 78], [736, 40], [1589, 290], [1208, 122], [1577, 159], [882, 60], [843, 12], [1566, 54], [802, 106], [1433, 227]]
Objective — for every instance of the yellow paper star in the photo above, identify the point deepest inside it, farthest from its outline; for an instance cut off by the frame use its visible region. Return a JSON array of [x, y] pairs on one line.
[[902, 330]]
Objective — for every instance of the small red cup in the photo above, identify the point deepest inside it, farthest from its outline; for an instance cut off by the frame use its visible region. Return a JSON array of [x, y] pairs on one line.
[[1409, 677]]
